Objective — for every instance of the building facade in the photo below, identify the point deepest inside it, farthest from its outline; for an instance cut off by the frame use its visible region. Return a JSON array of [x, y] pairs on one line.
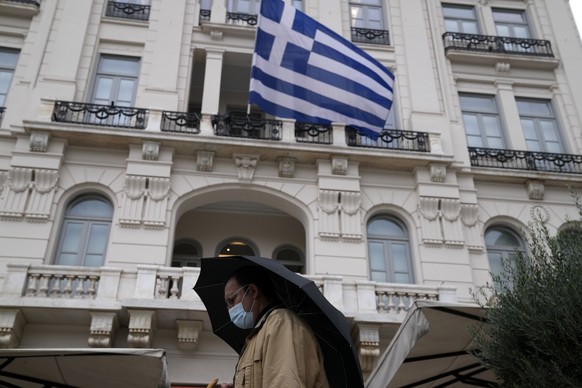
[[127, 154]]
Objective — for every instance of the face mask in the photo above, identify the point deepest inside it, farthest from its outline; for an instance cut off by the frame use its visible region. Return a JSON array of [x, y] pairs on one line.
[[240, 317]]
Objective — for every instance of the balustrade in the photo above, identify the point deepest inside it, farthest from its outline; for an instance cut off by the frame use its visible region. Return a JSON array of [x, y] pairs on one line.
[[180, 122], [241, 18], [313, 133], [525, 160], [390, 139], [247, 126], [455, 41], [67, 284], [370, 36], [131, 11], [102, 115]]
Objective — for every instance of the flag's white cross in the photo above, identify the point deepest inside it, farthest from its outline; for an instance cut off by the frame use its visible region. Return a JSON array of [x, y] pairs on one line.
[[280, 42]]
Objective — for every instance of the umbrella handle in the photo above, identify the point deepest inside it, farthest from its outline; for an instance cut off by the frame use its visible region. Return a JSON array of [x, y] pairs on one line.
[[212, 384]]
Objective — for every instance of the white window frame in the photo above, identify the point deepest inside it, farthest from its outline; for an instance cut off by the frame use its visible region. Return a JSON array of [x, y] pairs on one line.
[[480, 116], [367, 6], [460, 20], [538, 119], [8, 69], [117, 78]]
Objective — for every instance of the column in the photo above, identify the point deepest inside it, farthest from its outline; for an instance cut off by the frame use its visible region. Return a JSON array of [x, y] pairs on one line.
[[510, 116]]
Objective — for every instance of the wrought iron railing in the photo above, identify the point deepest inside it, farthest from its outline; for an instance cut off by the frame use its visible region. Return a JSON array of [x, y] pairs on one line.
[[390, 139], [180, 122], [205, 15], [247, 126], [32, 2], [102, 115], [525, 160], [368, 35], [241, 18], [455, 41], [131, 11], [2, 110], [313, 133]]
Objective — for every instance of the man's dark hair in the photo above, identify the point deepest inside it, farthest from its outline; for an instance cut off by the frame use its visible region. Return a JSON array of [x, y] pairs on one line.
[[257, 276]]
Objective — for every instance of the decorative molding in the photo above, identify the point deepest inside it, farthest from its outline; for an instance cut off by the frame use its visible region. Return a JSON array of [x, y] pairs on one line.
[[41, 195], [141, 328], [539, 213], [367, 339], [438, 173], [339, 165], [188, 334], [502, 67], [39, 141], [469, 214], [156, 202], [150, 150], [329, 214], [11, 326], [204, 160], [286, 167], [134, 189], [452, 227], [15, 193], [470, 218], [103, 329], [429, 210], [535, 190], [351, 225], [246, 165]]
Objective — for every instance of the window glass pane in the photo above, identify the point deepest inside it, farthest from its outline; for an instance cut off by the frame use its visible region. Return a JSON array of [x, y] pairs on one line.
[[237, 248], [67, 259], [378, 277], [495, 262], [8, 58], [469, 28], [471, 124], [93, 260], [91, 208], [375, 18], [517, 17], [503, 30], [376, 253], [529, 129], [459, 12], [288, 255], [492, 126], [185, 249], [98, 238], [549, 130], [103, 89], [478, 103], [495, 143], [72, 237], [125, 94], [367, 2], [119, 66], [400, 258], [384, 227], [534, 108], [475, 141], [520, 32], [500, 237], [357, 16], [402, 278], [452, 26]]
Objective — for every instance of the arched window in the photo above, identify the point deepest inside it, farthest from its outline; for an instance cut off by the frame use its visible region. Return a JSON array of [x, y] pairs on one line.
[[236, 247], [501, 242], [186, 253], [291, 257], [85, 232], [389, 251]]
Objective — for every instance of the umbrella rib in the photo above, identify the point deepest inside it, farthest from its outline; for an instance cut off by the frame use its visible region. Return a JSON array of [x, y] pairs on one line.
[[33, 380], [442, 375], [468, 379]]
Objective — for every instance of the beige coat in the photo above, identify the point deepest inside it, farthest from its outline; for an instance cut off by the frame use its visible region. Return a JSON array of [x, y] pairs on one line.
[[282, 352]]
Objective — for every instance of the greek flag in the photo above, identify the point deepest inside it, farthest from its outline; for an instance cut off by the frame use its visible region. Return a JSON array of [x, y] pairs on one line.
[[304, 71]]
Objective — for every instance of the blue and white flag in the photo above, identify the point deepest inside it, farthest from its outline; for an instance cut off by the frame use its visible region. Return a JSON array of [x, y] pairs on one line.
[[302, 70]]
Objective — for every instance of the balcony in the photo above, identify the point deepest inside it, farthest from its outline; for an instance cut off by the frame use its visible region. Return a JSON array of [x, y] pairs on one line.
[[390, 139], [100, 115], [238, 18], [313, 133], [2, 110], [129, 11], [180, 122], [370, 36], [204, 15], [247, 127], [25, 8], [454, 41], [525, 160]]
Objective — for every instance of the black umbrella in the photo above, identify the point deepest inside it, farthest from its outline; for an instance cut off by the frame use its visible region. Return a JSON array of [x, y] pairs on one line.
[[298, 294]]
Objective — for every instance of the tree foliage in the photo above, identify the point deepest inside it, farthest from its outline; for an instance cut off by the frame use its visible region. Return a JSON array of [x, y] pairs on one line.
[[534, 310]]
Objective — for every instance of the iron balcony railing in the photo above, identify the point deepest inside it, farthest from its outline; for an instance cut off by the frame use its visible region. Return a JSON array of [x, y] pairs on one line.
[[241, 18], [390, 139], [180, 122], [32, 2], [102, 115], [204, 15], [525, 160], [313, 133], [368, 35], [2, 110], [455, 41], [131, 11], [247, 126]]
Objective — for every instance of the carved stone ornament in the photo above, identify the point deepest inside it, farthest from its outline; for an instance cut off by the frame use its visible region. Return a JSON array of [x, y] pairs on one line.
[[204, 160], [188, 333], [286, 167], [11, 326], [535, 190], [438, 173], [246, 165], [151, 151], [540, 213], [39, 141], [141, 328], [367, 338], [339, 166], [502, 67], [103, 329]]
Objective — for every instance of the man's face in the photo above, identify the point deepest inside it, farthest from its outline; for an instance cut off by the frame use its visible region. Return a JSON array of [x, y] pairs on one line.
[[234, 293]]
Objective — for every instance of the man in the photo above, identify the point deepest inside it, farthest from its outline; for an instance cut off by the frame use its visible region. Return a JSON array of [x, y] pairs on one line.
[[281, 350]]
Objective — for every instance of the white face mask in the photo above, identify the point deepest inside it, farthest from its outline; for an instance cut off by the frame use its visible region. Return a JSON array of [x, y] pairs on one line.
[[240, 317]]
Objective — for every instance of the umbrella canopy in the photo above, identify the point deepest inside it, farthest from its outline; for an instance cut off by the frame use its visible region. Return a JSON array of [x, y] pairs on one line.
[[431, 348], [87, 368], [298, 294]]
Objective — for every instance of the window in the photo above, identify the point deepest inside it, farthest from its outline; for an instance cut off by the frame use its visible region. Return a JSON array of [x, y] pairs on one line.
[[236, 247], [459, 18], [501, 243], [116, 81], [511, 23], [291, 257], [186, 253], [298, 4], [481, 120], [367, 14], [539, 125], [389, 251], [85, 232], [8, 60], [249, 7]]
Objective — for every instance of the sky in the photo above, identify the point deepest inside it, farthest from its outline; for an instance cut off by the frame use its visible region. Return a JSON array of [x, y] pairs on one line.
[[577, 10]]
